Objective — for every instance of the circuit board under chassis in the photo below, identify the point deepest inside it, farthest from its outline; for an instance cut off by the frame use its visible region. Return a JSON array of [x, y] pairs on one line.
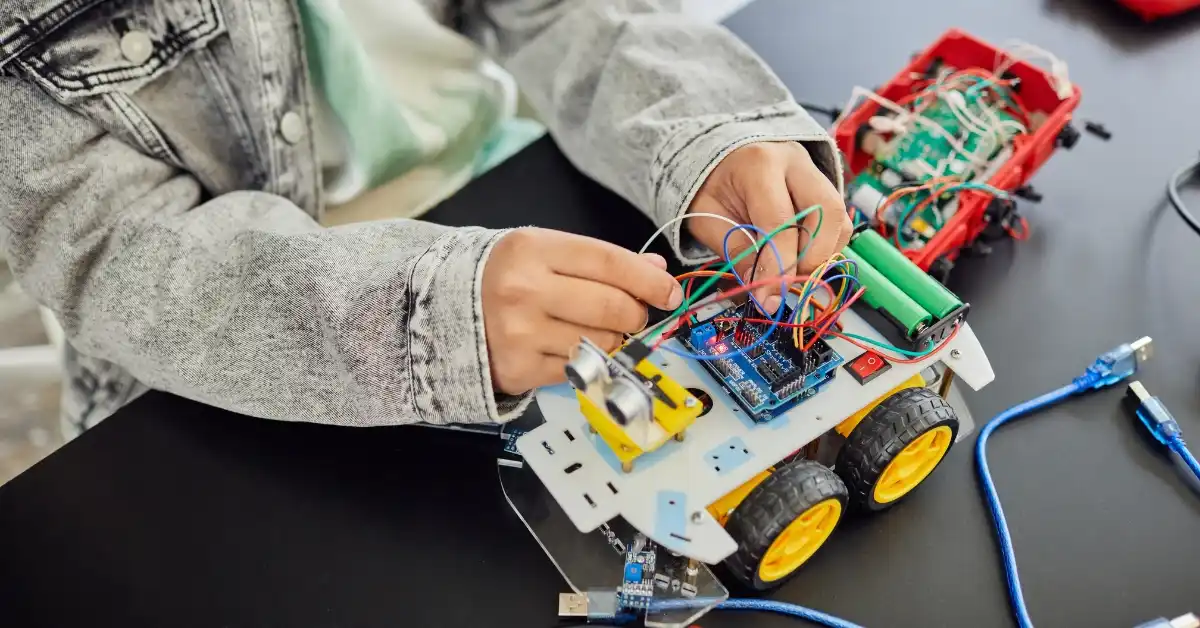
[[774, 375]]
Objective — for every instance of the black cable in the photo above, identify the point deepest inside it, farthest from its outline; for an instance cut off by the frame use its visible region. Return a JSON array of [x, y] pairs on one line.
[[1191, 170], [831, 112], [754, 270]]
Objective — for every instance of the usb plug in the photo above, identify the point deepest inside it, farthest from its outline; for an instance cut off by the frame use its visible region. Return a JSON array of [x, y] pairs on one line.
[[1117, 364], [593, 607], [1153, 414], [1183, 621]]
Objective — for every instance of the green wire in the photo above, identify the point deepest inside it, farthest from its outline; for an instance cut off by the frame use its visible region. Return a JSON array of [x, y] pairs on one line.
[[762, 242], [965, 185], [733, 262], [884, 345]]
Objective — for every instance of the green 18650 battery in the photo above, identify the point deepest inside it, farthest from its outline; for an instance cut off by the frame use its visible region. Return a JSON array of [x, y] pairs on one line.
[[907, 276], [882, 294]]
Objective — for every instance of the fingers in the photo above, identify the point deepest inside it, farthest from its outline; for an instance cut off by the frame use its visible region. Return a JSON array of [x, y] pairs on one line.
[[598, 261], [594, 305], [545, 370], [808, 186], [770, 205], [559, 338], [711, 232], [655, 260]]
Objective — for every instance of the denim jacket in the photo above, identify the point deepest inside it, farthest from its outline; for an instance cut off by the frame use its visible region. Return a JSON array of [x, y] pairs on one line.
[[160, 193]]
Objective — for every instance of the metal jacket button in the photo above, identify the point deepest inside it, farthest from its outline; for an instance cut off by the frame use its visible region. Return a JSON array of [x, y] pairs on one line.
[[291, 127], [137, 46]]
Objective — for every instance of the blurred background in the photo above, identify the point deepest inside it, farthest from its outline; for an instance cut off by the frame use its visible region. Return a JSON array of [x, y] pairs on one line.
[[30, 380]]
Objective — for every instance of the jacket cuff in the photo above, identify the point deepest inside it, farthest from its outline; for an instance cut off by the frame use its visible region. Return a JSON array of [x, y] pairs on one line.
[[447, 343], [689, 157]]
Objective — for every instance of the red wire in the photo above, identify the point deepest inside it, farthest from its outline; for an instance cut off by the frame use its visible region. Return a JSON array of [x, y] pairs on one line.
[[862, 345], [691, 283], [724, 295], [1023, 234], [895, 359], [832, 317]]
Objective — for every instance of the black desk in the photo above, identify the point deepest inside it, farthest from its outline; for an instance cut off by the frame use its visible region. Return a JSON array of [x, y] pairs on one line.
[[173, 514]]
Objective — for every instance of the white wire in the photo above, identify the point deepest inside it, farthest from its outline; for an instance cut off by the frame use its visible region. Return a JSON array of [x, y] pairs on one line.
[[1003, 123], [1017, 50], [962, 111], [906, 115], [683, 217]]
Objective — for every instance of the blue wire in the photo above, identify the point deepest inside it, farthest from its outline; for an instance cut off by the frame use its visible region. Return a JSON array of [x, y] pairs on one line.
[[993, 499], [797, 313], [774, 321], [1179, 447], [774, 249], [783, 608]]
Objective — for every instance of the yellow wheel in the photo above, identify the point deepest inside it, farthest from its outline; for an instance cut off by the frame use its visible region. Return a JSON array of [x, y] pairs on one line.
[[895, 447], [783, 522], [913, 464], [800, 540]]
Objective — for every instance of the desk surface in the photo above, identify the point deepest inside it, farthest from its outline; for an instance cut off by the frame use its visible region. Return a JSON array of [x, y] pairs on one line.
[[175, 514]]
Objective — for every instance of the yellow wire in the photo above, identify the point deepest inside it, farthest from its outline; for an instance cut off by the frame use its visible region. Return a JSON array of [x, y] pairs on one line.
[[817, 273]]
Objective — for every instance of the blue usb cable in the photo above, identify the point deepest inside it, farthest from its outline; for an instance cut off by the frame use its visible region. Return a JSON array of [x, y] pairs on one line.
[[1165, 429], [1110, 368]]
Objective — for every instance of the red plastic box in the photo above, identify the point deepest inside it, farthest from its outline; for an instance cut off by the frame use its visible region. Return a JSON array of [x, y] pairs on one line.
[[1152, 9], [1037, 93]]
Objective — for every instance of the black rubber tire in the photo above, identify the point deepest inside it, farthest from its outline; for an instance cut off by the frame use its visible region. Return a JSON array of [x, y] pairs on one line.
[[885, 432], [788, 493]]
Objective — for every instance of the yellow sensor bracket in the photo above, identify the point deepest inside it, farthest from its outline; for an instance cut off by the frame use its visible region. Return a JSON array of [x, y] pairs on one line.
[[628, 401]]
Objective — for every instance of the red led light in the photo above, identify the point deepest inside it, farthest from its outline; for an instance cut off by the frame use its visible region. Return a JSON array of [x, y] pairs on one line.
[[721, 348]]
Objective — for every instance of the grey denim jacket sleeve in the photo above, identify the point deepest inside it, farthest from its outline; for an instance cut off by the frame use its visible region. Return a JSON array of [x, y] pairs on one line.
[[159, 192]]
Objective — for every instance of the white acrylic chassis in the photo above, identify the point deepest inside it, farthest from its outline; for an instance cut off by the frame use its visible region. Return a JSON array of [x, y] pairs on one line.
[[666, 494]]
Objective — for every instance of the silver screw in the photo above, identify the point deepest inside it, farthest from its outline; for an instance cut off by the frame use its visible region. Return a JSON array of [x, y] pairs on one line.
[[690, 402], [955, 353], [697, 517]]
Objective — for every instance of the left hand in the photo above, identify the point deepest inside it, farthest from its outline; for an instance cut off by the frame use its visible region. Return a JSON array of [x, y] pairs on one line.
[[765, 184]]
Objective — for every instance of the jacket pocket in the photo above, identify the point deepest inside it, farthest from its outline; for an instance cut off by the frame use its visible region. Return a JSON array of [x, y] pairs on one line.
[[78, 49]]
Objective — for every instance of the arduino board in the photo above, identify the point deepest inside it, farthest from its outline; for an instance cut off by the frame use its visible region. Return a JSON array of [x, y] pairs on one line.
[[772, 377]]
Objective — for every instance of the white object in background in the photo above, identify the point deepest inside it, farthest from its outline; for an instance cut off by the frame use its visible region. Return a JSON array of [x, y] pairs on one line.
[[712, 10], [44, 360], [1017, 50], [35, 361], [867, 199]]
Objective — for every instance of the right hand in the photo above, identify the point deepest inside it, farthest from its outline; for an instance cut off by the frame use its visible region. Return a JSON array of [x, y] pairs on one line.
[[544, 290]]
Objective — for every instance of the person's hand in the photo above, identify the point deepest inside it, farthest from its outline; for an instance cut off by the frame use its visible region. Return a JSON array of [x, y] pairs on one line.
[[544, 290], [765, 184]]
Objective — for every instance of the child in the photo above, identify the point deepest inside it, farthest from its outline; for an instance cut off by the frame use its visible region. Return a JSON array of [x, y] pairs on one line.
[[186, 182]]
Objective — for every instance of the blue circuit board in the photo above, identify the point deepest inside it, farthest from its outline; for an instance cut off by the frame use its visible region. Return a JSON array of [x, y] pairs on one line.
[[773, 377], [637, 583], [510, 440]]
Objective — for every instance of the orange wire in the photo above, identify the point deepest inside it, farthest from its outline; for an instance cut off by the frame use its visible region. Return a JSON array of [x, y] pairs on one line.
[[857, 343], [702, 273], [901, 192], [933, 194], [861, 345], [1023, 234]]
